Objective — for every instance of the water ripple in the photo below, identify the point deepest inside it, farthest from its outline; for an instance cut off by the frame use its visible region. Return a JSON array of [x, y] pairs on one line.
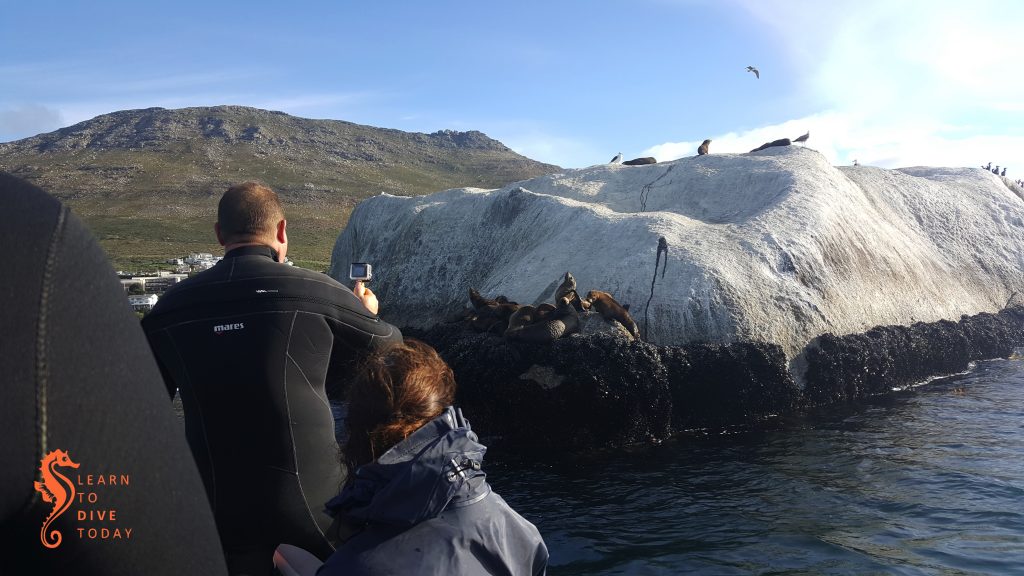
[[923, 482]]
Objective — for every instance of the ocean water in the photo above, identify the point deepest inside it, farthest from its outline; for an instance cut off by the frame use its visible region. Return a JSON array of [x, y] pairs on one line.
[[928, 481]]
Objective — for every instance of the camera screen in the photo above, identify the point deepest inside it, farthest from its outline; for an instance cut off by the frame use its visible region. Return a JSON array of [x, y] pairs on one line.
[[360, 271]]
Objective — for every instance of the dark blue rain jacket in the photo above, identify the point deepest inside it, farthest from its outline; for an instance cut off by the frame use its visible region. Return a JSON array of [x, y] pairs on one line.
[[426, 508]]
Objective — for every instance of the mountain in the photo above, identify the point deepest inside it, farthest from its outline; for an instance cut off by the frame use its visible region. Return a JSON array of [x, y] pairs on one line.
[[147, 181]]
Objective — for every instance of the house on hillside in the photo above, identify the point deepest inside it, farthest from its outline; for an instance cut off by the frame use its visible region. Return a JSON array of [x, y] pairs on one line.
[[156, 284], [143, 302]]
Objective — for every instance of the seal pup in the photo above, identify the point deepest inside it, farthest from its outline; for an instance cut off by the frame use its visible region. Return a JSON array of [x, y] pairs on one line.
[[703, 148], [610, 309], [757, 74]]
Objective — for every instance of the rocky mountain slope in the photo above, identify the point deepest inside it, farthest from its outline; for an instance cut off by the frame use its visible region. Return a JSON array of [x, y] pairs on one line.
[[147, 181]]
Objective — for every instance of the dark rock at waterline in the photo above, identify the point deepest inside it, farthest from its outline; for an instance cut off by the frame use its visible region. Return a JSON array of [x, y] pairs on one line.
[[602, 390], [843, 368], [580, 392]]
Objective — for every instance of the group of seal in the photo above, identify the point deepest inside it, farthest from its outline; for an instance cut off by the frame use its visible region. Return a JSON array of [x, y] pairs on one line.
[[545, 322], [489, 315]]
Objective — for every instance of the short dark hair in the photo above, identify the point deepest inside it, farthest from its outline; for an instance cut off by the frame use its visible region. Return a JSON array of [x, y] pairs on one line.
[[395, 392], [248, 211]]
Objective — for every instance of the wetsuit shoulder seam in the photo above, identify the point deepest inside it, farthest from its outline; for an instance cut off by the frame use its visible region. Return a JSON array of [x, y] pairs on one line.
[[42, 340]]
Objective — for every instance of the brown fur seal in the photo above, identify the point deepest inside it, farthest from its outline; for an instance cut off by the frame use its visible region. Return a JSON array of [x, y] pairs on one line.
[[479, 301], [567, 285], [703, 148], [612, 310], [568, 288], [641, 161], [527, 315], [490, 315], [779, 142]]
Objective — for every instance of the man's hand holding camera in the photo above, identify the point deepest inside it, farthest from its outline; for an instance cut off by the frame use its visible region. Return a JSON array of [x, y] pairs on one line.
[[362, 273]]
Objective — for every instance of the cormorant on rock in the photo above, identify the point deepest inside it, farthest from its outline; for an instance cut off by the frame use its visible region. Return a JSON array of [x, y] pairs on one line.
[[1004, 171], [754, 70], [617, 159], [804, 137]]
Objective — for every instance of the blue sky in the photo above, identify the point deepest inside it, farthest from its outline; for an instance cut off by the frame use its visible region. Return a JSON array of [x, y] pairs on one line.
[[889, 83]]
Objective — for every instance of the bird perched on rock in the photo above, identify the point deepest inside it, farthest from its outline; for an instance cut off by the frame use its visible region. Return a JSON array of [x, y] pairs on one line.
[[703, 148], [804, 137], [617, 159], [754, 70]]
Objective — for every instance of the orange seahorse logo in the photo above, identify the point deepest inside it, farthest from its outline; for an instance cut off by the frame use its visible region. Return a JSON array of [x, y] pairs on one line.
[[56, 488]]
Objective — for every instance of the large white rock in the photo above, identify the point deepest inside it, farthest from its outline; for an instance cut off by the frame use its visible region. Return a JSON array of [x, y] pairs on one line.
[[775, 246]]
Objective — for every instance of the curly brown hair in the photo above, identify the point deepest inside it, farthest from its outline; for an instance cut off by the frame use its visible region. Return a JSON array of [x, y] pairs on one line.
[[394, 393]]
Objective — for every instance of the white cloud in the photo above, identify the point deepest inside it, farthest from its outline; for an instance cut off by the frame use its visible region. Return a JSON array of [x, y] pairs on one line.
[[898, 84], [311, 103], [844, 137], [28, 120], [559, 150]]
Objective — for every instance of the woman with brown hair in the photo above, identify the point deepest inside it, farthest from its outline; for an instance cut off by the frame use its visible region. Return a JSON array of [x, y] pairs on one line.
[[417, 501]]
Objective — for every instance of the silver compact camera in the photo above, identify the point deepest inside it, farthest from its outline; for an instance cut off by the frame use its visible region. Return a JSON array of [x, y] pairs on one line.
[[360, 271]]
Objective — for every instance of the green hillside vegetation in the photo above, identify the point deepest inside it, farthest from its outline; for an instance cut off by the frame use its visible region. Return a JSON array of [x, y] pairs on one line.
[[147, 181]]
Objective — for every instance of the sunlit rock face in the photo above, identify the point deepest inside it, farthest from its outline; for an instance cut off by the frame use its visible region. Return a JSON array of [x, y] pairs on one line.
[[776, 246]]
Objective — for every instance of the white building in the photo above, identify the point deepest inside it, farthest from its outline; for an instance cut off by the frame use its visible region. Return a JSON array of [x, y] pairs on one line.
[[143, 301], [157, 284]]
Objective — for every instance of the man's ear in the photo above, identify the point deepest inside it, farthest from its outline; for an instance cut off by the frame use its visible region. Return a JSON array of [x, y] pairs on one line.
[[282, 233], [216, 229]]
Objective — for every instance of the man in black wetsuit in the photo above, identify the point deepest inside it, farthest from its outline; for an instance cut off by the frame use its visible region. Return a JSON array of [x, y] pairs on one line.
[[249, 345]]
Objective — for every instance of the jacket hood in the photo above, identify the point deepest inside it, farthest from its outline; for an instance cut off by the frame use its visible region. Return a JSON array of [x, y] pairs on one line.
[[437, 466]]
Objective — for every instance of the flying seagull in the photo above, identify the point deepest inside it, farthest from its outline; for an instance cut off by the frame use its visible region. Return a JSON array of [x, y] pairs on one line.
[[804, 137], [754, 70], [617, 159]]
